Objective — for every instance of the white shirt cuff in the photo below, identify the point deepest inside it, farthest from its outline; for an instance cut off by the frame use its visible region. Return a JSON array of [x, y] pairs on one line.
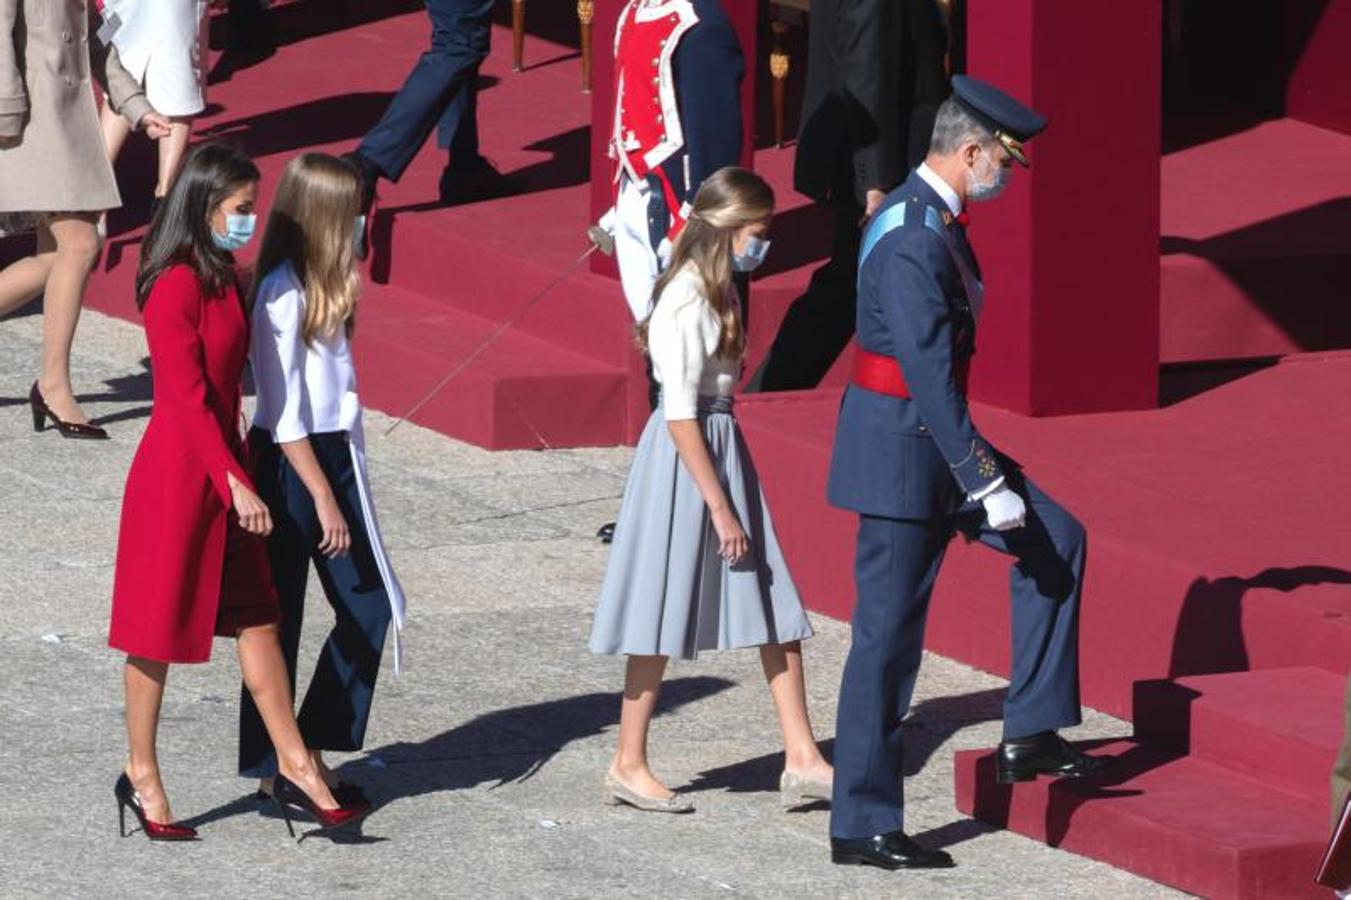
[[988, 489]]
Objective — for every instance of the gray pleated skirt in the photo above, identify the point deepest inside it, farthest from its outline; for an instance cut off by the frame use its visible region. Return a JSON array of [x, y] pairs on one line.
[[667, 592]]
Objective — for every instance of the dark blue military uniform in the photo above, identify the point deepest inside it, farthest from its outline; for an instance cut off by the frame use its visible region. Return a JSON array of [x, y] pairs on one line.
[[909, 466]]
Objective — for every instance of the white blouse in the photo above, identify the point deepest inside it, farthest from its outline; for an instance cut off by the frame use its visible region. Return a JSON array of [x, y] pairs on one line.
[[302, 390], [682, 339]]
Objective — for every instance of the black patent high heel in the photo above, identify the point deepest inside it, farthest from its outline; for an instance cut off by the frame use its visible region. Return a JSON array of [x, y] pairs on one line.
[[127, 798], [287, 793], [42, 412]]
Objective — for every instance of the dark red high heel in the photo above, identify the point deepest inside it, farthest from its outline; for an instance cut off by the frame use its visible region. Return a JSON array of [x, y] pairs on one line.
[[287, 793], [42, 412], [155, 831]]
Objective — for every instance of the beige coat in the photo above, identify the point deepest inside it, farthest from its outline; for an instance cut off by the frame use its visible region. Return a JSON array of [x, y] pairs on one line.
[[52, 157]]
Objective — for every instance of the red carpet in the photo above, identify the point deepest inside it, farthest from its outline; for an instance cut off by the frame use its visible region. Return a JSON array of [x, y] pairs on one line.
[[1218, 533], [1256, 244]]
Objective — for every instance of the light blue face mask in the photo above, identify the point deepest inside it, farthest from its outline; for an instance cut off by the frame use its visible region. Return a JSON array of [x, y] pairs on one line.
[[358, 232], [238, 232], [756, 250]]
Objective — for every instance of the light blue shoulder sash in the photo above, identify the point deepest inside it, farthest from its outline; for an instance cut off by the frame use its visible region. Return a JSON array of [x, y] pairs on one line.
[[894, 217]]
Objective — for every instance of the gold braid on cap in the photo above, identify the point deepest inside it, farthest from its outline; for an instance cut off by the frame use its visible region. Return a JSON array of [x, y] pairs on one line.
[[1012, 145]]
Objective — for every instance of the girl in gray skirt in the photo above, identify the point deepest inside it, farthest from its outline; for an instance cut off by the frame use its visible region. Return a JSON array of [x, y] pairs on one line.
[[695, 564]]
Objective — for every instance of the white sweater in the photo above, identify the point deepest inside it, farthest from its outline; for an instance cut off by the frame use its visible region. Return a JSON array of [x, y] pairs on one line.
[[682, 339]]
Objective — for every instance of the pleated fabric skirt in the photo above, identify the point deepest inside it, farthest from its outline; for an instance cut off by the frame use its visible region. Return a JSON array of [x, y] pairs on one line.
[[667, 592]]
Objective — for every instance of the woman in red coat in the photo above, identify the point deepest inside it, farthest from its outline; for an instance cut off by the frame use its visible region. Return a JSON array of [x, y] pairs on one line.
[[191, 563]]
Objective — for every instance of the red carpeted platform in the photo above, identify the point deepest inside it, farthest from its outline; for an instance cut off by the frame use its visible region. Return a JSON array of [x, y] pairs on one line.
[[1217, 615], [1217, 541], [1256, 244]]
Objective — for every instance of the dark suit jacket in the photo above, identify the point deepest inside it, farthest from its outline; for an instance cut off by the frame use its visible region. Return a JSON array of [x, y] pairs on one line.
[[875, 78], [915, 458]]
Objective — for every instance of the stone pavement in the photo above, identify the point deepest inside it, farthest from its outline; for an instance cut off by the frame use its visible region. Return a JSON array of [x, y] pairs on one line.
[[486, 757]]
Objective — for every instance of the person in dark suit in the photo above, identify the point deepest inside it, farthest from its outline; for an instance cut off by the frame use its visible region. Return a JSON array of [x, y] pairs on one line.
[[440, 92], [909, 460], [875, 77]]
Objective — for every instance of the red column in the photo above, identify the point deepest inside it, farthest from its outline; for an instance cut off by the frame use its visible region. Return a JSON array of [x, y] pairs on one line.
[[1070, 253]]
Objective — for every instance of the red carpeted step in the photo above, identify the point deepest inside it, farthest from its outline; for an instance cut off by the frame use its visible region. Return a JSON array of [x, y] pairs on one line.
[[1282, 726], [519, 392], [1182, 821], [1190, 570]]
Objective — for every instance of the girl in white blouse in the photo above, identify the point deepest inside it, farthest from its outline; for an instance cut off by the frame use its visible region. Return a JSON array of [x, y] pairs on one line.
[[695, 564], [309, 452]]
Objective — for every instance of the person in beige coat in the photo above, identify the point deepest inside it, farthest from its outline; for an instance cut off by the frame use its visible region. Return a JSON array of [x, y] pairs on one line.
[[55, 176]]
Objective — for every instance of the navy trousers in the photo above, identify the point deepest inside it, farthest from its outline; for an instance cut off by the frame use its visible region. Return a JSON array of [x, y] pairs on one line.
[[897, 564], [337, 704], [441, 92]]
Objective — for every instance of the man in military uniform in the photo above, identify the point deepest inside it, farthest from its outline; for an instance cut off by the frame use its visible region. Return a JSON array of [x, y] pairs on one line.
[[910, 462]]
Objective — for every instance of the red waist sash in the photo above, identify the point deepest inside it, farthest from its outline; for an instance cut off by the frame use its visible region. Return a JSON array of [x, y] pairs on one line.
[[882, 374]]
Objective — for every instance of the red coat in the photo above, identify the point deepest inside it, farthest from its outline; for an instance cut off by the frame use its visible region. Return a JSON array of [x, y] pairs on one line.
[[167, 586]]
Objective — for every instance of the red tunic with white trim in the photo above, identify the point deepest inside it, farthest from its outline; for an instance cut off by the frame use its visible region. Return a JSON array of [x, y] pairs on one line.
[[647, 128], [641, 141]]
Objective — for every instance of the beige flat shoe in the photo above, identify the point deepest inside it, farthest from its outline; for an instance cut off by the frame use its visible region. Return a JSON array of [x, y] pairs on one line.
[[616, 794], [795, 791]]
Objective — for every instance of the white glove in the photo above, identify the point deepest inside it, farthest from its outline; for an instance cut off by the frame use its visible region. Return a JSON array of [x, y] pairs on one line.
[[1004, 509]]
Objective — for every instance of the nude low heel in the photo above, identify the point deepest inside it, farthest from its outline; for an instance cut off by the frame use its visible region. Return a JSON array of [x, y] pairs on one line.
[[616, 794], [795, 791]]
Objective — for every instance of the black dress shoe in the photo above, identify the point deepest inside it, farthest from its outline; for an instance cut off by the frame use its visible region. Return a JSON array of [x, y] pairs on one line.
[[606, 533], [892, 850], [475, 182], [1044, 754]]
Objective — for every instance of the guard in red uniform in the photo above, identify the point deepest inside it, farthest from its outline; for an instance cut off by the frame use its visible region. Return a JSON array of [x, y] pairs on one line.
[[678, 70]]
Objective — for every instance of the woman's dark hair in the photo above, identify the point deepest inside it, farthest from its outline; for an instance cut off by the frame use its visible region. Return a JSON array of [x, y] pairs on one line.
[[180, 232]]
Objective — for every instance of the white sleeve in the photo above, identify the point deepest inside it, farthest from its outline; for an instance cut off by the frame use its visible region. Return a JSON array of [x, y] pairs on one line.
[[279, 362], [677, 348]]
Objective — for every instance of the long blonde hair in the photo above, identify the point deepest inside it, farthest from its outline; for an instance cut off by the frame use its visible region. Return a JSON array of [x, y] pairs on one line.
[[311, 227], [728, 200]]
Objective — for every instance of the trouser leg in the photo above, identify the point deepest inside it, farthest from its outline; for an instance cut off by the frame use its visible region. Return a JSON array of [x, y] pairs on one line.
[[895, 570], [635, 252], [1046, 582], [337, 705], [460, 38]]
